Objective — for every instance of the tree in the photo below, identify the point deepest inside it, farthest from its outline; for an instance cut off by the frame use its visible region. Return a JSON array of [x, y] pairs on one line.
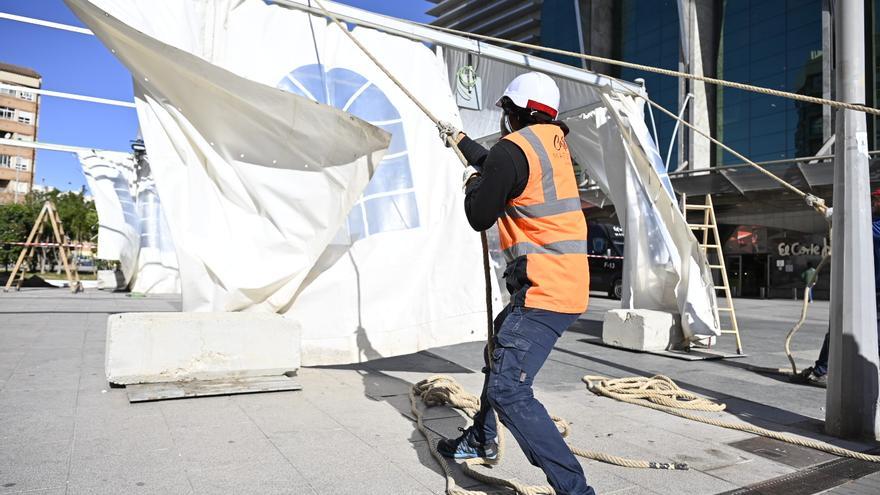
[[16, 221], [78, 216]]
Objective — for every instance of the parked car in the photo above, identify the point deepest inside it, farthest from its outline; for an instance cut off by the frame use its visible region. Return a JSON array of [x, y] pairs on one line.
[[606, 258], [85, 264]]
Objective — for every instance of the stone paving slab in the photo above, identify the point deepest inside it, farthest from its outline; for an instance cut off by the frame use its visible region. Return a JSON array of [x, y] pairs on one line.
[[350, 430]]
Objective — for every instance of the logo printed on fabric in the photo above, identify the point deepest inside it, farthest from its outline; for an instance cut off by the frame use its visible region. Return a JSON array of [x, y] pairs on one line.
[[559, 143], [389, 201]]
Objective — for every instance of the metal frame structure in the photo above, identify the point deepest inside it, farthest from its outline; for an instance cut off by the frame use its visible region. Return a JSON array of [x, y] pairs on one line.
[[46, 146], [69, 96], [723, 179], [420, 32]]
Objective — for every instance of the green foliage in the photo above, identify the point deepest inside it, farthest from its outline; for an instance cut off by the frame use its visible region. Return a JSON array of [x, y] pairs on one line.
[[16, 221], [78, 217]]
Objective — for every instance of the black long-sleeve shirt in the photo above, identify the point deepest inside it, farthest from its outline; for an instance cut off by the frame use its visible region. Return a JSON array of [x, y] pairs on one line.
[[504, 175]]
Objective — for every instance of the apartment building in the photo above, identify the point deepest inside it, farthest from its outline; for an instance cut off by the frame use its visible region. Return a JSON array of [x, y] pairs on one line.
[[19, 110]]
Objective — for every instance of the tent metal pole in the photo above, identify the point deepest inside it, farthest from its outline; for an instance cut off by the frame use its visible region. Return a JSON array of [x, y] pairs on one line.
[[49, 146], [69, 96], [418, 32], [48, 24]]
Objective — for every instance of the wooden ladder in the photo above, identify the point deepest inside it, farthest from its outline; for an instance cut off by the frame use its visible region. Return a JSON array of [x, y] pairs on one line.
[[709, 224], [47, 214]]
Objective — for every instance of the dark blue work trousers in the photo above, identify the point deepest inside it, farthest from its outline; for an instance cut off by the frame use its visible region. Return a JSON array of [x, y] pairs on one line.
[[524, 338]]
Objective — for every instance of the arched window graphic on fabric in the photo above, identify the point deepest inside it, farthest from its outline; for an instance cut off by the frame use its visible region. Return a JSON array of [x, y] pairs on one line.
[[389, 200]]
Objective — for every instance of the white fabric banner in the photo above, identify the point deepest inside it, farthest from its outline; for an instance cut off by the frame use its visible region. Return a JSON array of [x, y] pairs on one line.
[[664, 267], [402, 269], [255, 181], [131, 225], [157, 268], [111, 176]]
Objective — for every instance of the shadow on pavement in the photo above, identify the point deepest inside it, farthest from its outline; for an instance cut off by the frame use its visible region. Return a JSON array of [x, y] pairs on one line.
[[32, 281], [381, 386]]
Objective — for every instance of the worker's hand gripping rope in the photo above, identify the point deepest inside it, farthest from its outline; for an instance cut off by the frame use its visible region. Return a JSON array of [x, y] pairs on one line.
[[470, 172], [816, 203], [449, 134]]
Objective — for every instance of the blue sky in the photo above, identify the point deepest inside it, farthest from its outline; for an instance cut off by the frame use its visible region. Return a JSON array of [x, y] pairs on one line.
[[76, 63]]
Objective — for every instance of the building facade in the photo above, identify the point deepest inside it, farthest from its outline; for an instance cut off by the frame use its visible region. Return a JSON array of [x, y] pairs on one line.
[[515, 20], [19, 110]]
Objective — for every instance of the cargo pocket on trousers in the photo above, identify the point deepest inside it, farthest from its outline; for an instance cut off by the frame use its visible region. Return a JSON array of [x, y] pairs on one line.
[[508, 359]]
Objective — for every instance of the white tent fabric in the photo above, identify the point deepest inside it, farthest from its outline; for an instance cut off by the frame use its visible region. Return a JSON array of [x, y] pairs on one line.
[[157, 268], [131, 225], [110, 176], [255, 181], [664, 268], [665, 254], [410, 276], [403, 270]]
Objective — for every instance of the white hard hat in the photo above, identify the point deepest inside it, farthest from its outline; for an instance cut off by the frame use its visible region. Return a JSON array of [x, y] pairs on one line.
[[535, 91]]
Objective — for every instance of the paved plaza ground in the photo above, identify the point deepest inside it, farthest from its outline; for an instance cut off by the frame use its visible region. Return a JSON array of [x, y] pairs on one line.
[[63, 430]]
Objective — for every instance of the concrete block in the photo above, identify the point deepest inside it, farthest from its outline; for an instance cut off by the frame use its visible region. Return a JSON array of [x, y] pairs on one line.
[[107, 280], [638, 329], [171, 347]]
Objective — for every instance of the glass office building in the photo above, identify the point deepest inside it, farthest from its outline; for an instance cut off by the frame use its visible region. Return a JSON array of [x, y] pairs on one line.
[[559, 31], [772, 43], [648, 34], [775, 44]]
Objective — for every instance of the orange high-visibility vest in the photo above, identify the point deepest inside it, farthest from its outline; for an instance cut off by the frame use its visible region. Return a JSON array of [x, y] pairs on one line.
[[543, 230]]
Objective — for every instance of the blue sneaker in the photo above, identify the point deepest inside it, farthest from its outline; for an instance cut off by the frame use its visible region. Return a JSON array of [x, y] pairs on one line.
[[467, 447]]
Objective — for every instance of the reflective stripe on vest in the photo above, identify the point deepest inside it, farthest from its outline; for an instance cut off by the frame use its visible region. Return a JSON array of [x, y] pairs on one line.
[[561, 247], [546, 209], [547, 183]]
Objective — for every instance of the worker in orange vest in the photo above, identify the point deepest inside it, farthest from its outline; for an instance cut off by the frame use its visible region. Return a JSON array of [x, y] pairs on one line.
[[526, 184]]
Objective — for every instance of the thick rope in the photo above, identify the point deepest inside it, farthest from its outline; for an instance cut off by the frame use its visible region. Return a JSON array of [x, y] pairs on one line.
[[663, 394], [815, 202], [445, 391], [797, 326], [667, 72]]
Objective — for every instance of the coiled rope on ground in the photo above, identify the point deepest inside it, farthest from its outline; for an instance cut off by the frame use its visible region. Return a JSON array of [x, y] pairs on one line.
[[446, 391], [661, 393]]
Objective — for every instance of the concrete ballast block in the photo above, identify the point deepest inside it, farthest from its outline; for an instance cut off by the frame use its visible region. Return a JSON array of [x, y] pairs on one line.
[[107, 280], [638, 329], [172, 347]]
